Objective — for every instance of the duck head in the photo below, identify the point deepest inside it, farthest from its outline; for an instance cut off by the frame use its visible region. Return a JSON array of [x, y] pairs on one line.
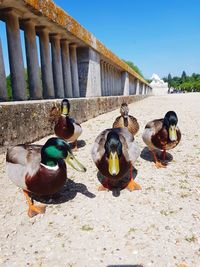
[[65, 107], [170, 122], [113, 148], [56, 149], [124, 110]]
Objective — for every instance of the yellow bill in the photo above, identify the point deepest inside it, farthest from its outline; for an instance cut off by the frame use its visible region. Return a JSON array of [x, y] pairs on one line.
[[113, 163], [74, 163], [172, 133]]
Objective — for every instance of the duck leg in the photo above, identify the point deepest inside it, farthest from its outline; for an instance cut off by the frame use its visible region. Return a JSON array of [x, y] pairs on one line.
[[132, 185], [157, 162], [33, 209], [163, 155], [104, 186], [74, 146]]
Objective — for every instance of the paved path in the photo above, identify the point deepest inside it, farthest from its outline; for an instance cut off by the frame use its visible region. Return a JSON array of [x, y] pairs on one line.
[[158, 226]]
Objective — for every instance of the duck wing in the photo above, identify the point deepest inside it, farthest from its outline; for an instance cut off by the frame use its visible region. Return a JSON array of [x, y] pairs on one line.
[[133, 125], [130, 148], [98, 149], [22, 160]]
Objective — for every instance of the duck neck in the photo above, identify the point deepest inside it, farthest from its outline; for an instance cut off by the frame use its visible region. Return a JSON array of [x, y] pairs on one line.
[[48, 161]]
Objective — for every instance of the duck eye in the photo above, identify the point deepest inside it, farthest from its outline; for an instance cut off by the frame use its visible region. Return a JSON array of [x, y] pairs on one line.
[[59, 147]]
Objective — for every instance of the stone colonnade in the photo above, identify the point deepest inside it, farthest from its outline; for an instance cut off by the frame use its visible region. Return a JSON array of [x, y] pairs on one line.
[[67, 69]]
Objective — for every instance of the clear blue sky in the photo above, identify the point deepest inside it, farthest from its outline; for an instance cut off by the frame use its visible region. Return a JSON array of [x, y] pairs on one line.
[[159, 36]]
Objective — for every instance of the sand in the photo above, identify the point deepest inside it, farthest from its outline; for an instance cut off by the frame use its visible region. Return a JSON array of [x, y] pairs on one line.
[[157, 226]]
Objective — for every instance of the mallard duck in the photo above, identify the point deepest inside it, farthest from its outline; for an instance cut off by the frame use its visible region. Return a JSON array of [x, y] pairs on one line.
[[126, 120], [114, 153], [162, 134], [65, 126], [40, 170]]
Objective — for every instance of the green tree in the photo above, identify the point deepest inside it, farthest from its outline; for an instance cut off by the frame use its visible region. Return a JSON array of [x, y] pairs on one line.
[[169, 80], [133, 66], [183, 76]]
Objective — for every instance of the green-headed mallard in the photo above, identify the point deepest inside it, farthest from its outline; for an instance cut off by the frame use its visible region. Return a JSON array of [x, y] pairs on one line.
[[163, 134], [40, 170], [126, 120], [114, 153], [65, 126]]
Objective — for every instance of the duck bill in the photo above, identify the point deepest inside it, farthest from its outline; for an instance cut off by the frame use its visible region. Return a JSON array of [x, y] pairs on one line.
[[172, 133], [113, 163], [65, 110], [74, 163]]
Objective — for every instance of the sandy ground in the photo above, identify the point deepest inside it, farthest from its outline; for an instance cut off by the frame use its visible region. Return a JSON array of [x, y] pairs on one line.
[[158, 226]]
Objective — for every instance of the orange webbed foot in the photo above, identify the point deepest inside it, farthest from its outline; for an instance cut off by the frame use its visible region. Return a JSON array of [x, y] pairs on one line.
[[132, 185], [160, 165], [35, 210], [102, 188]]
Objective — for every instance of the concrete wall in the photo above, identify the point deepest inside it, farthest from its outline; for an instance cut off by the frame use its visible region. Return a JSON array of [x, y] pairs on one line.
[[27, 121], [73, 62]]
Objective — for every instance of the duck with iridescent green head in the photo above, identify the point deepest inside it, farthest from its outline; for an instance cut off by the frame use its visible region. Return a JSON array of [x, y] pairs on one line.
[[40, 170]]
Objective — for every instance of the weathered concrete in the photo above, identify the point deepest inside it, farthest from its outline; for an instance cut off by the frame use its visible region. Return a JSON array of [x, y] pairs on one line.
[[125, 83], [57, 67], [47, 77], [3, 89], [74, 70], [15, 55], [27, 121], [66, 67], [89, 72], [60, 75], [56, 15], [32, 60]]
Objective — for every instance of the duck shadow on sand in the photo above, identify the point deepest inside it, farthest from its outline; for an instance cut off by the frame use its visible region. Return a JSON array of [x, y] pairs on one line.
[[120, 184], [129, 265], [67, 193], [80, 143], [146, 154]]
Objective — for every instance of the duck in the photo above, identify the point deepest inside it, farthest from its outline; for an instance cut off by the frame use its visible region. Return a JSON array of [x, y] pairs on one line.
[[40, 170], [114, 152], [65, 126], [162, 134], [126, 120]]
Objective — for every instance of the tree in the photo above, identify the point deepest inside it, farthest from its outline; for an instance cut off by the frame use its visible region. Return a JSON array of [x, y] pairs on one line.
[[133, 66], [169, 80], [183, 76]]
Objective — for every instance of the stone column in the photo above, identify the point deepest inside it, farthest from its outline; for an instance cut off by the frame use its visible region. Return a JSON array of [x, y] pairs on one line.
[[119, 83], [135, 86], [108, 91], [105, 79], [125, 83], [15, 56], [57, 66], [74, 70], [102, 78], [67, 79], [32, 60], [112, 80], [3, 89], [47, 78], [144, 89], [138, 87], [89, 72]]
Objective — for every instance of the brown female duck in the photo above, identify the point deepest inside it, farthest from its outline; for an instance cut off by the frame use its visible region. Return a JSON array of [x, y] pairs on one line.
[[162, 134], [126, 120]]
